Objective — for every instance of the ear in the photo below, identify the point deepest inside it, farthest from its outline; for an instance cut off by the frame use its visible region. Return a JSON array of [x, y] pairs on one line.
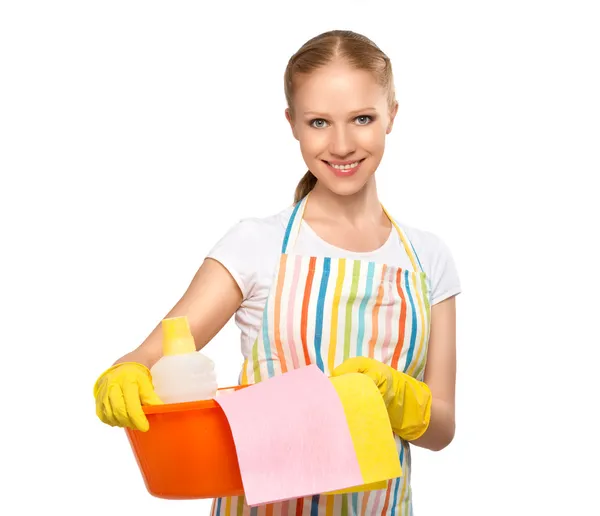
[[393, 113], [288, 117]]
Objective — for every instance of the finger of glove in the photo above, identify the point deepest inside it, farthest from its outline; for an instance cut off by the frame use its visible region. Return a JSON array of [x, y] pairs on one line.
[[351, 365], [100, 395], [118, 405], [104, 408], [364, 366], [368, 368], [104, 412], [132, 396], [147, 392]]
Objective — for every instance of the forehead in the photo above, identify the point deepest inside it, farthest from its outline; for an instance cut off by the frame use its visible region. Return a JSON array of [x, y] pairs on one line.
[[337, 89]]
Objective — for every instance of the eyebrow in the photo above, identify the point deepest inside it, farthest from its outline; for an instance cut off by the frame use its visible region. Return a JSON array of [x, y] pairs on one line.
[[314, 113]]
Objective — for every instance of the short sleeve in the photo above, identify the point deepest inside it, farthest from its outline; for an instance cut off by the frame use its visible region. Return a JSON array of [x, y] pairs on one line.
[[437, 262], [236, 252], [445, 280]]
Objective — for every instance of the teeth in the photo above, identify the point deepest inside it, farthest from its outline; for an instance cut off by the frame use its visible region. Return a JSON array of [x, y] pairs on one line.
[[345, 167]]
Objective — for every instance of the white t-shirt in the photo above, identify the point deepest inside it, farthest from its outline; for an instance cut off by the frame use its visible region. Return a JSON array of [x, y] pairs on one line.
[[251, 249]]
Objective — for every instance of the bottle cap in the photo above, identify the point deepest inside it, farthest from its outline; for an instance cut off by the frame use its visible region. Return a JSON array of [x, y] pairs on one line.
[[177, 336]]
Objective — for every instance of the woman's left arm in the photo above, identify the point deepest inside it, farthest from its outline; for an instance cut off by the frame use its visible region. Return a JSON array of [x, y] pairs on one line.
[[440, 376]]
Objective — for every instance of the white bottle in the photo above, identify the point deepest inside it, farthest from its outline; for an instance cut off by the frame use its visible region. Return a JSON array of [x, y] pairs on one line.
[[182, 374]]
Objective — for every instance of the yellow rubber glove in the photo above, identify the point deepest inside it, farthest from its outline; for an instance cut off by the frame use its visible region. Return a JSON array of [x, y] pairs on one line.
[[120, 392], [408, 400]]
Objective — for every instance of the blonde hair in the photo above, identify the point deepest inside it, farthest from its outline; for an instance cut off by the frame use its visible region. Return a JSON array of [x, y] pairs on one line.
[[355, 49]]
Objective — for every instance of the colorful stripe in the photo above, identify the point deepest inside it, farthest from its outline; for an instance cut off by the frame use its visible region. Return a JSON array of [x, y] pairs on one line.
[[395, 502], [398, 481], [267, 344], [329, 505], [256, 361], [335, 308], [363, 305], [365, 503], [413, 327], [425, 328], [386, 503], [377, 501], [305, 302], [354, 503], [320, 308], [291, 311], [415, 363], [345, 505], [314, 506], [277, 317], [389, 314], [375, 318], [401, 320], [349, 308], [244, 379]]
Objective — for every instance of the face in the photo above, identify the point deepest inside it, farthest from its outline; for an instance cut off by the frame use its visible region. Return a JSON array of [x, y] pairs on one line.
[[341, 117]]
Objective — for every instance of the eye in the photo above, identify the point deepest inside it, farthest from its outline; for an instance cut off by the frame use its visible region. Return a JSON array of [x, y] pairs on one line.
[[363, 119], [318, 123]]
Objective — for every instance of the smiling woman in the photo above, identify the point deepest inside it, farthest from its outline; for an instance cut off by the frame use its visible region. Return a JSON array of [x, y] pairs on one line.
[[332, 280], [341, 84], [344, 140]]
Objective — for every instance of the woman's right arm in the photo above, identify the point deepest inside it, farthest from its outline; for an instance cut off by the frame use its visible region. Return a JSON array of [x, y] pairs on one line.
[[211, 299]]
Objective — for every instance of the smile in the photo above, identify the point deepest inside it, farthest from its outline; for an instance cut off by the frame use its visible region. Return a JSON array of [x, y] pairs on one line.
[[344, 169]]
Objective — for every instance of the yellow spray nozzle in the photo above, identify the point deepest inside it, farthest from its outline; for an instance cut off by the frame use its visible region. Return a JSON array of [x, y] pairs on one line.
[[177, 336]]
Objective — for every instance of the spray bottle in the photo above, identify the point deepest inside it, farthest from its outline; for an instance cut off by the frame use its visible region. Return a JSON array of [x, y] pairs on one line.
[[182, 374]]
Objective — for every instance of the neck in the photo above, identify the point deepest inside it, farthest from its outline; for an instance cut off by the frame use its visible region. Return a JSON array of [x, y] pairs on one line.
[[358, 209]]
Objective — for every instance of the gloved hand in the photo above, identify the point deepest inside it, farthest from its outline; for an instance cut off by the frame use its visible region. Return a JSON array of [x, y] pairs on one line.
[[408, 400], [120, 392]]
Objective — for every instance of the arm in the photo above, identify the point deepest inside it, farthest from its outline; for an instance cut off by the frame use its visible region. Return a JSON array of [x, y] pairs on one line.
[[209, 302], [421, 412], [440, 377]]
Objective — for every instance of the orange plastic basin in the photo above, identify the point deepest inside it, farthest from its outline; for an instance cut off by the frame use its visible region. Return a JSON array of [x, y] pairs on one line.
[[188, 452]]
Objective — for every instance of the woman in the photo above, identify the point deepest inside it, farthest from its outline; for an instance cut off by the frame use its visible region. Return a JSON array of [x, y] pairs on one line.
[[352, 288]]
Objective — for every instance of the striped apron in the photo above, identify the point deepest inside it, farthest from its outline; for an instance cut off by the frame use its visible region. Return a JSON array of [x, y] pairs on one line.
[[323, 310]]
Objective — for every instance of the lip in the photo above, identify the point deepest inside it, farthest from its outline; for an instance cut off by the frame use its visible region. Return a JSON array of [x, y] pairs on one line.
[[344, 173]]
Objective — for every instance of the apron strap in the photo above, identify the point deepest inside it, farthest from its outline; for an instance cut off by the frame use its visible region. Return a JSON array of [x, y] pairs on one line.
[[293, 229], [293, 226], [408, 247]]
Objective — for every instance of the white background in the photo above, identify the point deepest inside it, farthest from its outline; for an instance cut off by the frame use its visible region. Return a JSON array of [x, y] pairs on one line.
[[134, 134]]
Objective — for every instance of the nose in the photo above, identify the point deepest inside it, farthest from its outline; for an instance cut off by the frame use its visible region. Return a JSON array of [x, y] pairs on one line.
[[342, 142]]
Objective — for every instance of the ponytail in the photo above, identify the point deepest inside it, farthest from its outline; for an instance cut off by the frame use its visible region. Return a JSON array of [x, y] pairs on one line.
[[306, 184]]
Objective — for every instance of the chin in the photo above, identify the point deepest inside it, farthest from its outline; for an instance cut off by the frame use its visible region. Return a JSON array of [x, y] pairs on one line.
[[345, 187]]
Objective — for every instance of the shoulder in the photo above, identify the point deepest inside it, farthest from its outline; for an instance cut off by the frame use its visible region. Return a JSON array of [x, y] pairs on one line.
[[259, 229], [436, 259], [250, 247]]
